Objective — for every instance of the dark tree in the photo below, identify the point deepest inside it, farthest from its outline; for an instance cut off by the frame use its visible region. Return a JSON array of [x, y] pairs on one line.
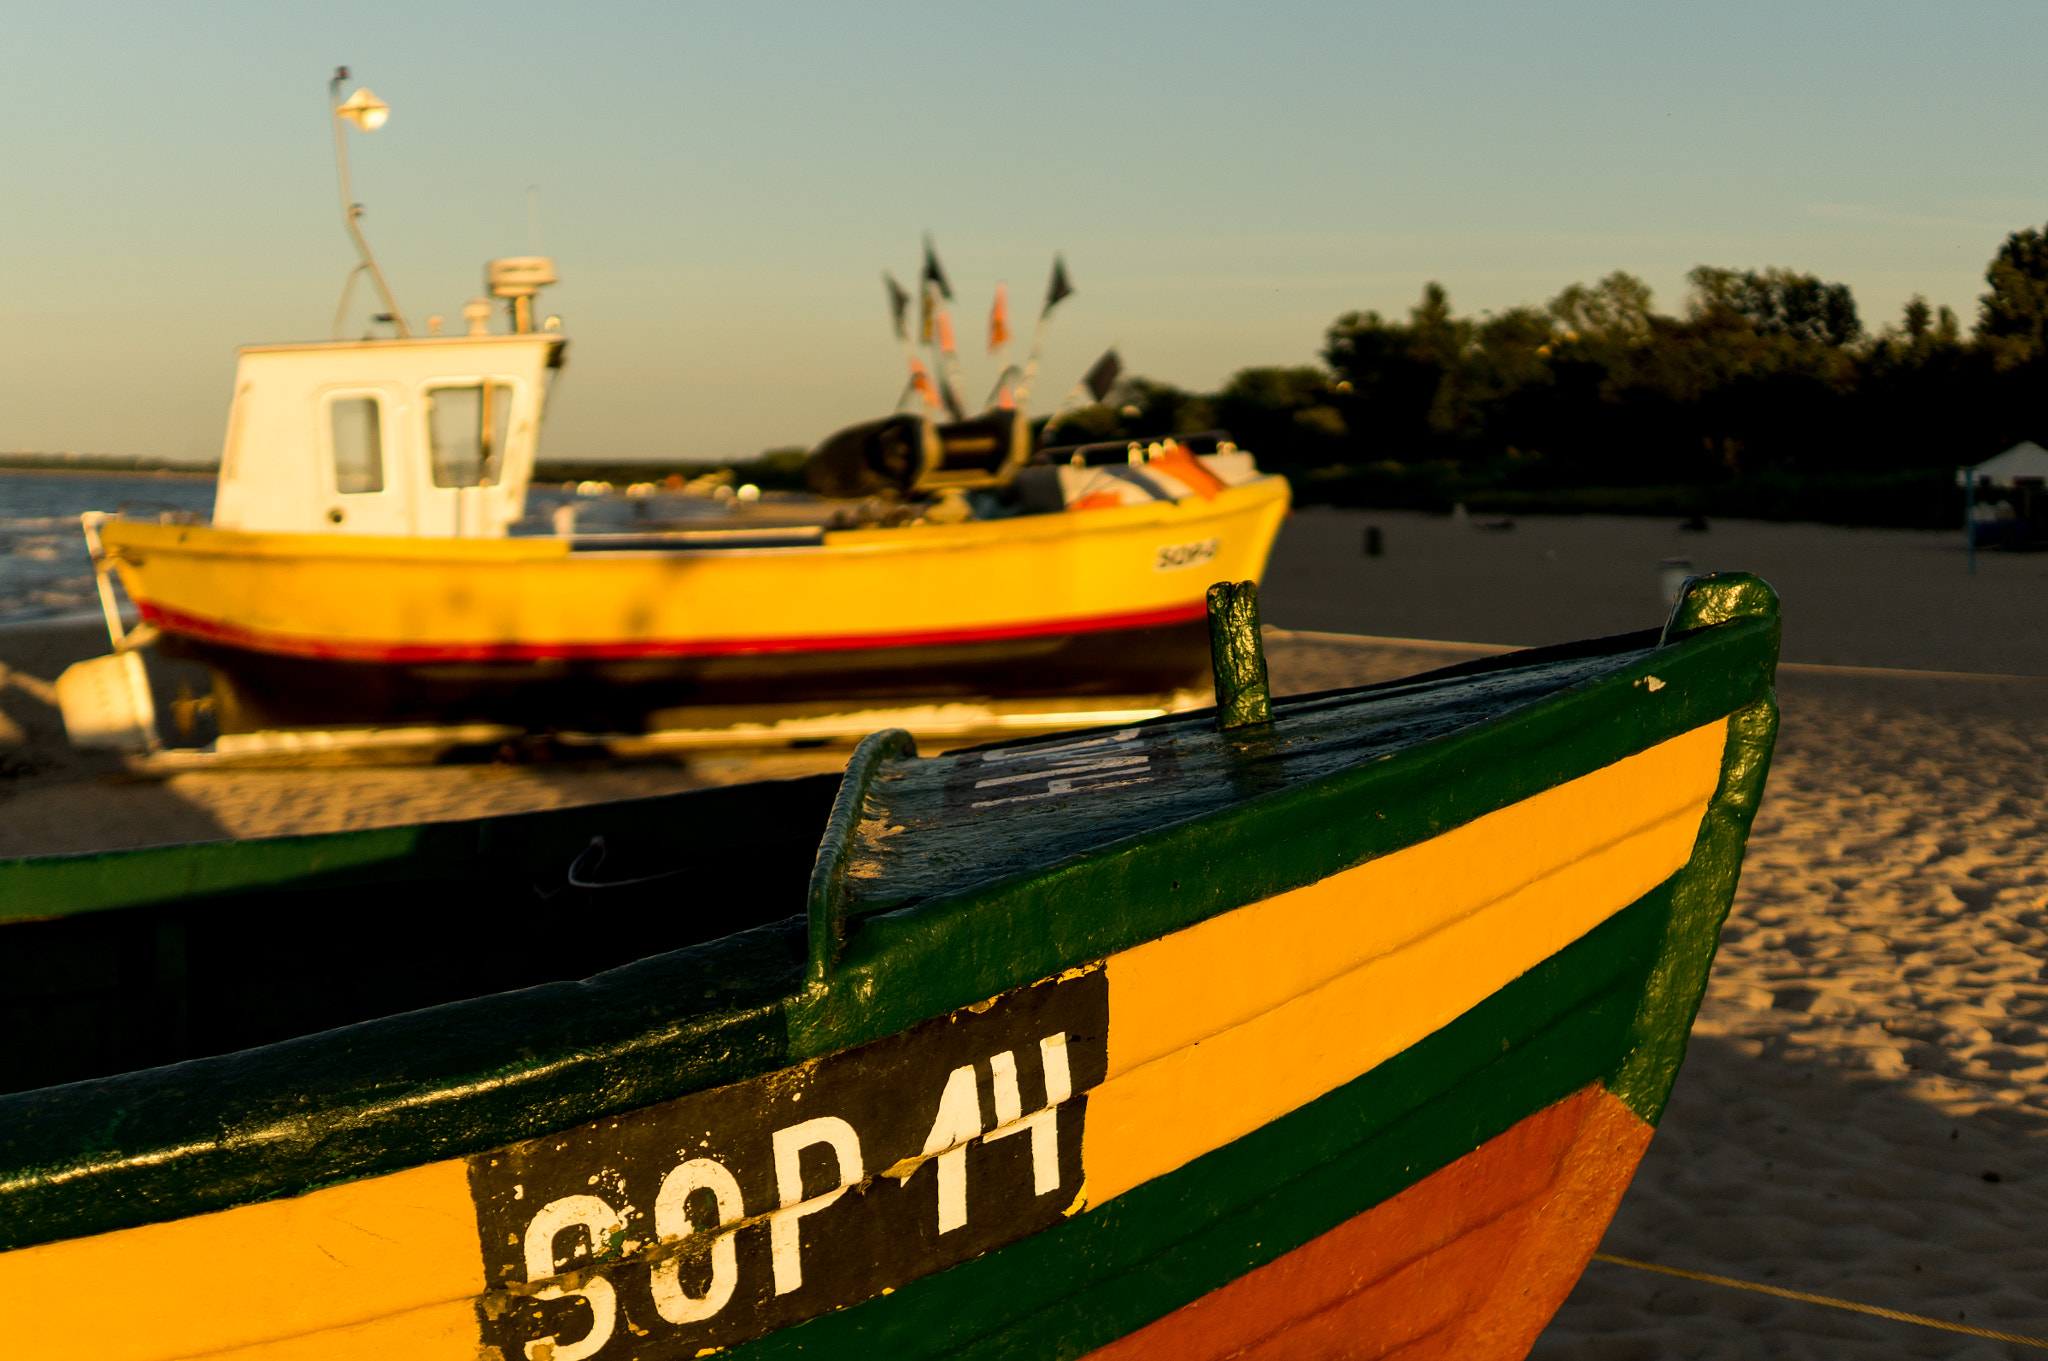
[[1780, 302], [2011, 318]]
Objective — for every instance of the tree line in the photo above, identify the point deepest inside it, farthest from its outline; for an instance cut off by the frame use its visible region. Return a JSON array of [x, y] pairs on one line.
[[1765, 394]]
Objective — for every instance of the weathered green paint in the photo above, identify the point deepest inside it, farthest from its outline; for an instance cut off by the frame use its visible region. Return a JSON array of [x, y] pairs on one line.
[[1671, 996], [1238, 656], [1717, 597], [477, 1075]]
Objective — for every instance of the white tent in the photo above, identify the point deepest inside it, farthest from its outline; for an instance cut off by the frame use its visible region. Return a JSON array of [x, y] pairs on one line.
[[2025, 461]]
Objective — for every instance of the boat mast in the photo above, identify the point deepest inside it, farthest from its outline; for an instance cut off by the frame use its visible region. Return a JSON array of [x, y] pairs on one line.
[[367, 112]]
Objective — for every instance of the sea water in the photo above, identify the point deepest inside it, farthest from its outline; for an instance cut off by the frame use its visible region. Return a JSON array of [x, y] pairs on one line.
[[45, 569]]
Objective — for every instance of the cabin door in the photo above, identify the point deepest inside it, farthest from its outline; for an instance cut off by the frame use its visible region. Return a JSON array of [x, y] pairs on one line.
[[363, 483], [467, 423]]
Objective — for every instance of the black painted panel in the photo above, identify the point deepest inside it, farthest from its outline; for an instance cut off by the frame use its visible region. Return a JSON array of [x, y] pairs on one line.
[[593, 1203]]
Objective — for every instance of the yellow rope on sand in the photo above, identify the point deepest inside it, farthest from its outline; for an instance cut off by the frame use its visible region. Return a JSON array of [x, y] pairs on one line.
[[1829, 1300]]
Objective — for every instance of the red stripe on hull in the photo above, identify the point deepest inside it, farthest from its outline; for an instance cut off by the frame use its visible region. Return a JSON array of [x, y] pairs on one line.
[[255, 640], [1467, 1265]]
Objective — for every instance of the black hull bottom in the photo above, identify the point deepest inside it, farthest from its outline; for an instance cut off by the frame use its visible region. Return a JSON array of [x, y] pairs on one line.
[[256, 690]]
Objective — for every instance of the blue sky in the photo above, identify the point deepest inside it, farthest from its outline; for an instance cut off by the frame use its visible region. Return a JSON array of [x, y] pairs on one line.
[[721, 185]]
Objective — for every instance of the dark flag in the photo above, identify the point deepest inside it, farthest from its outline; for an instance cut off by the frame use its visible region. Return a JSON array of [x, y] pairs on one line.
[[1059, 287], [933, 274], [950, 398], [899, 304], [1102, 377]]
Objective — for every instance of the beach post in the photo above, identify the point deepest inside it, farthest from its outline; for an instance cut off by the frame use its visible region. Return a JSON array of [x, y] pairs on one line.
[[1243, 698], [1671, 577], [1970, 516]]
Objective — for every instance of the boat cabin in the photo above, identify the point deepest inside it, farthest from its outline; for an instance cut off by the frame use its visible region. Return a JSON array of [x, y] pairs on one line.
[[430, 436]]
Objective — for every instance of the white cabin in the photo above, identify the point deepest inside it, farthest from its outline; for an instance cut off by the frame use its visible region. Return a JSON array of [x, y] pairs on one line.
[[430, 437]]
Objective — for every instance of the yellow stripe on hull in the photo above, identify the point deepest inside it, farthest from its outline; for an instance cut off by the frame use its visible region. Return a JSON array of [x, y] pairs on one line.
[[368, 593], [392, 1262], [1223, 1027]]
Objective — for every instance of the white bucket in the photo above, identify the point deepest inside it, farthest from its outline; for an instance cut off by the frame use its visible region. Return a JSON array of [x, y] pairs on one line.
[[107, 705]]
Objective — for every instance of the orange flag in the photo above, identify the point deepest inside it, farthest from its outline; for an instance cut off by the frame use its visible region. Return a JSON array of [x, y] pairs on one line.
[[922, 381], [999, 320], [946, 332]]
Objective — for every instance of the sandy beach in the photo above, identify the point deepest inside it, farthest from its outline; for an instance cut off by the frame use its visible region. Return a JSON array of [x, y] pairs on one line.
[[1864, 1112]]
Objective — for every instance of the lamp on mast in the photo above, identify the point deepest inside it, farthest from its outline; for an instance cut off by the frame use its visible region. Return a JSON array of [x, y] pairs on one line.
[[368, 113]]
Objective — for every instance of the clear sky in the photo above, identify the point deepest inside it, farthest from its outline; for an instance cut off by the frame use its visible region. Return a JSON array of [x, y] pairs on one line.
[[721, 185]]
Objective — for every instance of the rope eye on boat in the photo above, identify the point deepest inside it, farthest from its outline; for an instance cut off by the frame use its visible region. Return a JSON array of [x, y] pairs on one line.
[[594, 853]]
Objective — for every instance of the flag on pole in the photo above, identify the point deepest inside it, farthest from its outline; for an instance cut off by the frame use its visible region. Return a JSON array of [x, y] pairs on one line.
[[899, 304], [932, 273], [1100, 379], [922, 381], [1059, 287], [999, 320], [950, 398], [946, 333]]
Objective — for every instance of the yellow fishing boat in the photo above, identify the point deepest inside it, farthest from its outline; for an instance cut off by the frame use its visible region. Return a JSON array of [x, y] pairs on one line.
[[364, 565], [342, 620], [359, 567]]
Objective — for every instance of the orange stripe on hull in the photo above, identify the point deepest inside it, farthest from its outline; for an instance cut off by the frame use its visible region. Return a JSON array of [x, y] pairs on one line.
[[1467, 1264]]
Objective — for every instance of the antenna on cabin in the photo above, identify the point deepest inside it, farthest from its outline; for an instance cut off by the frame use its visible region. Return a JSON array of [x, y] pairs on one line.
[[518, 278], [367, 112]]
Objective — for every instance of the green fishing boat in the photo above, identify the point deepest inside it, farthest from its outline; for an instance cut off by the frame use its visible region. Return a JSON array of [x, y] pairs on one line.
[[1333, 1025]]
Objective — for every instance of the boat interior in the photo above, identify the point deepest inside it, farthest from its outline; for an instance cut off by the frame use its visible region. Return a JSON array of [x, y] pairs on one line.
[[474, 908]]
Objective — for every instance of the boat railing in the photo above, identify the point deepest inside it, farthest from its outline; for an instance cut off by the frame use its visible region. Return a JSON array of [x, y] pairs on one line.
[[797, 536], [159, 512], [826, 907]]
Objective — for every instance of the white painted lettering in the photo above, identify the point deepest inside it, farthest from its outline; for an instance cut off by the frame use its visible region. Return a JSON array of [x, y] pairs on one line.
[[600, 1221], [785, 1244], [1038, 753], [672, 1219], [1043, 1124], [958, 1121], [1174, 557], [1072, 770]]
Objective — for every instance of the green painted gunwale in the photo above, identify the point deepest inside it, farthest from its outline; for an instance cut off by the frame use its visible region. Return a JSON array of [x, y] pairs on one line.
[[164, 1143]]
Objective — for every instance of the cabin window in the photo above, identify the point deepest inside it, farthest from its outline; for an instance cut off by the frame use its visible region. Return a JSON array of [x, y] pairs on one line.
[[358, 428], [466, 429]]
